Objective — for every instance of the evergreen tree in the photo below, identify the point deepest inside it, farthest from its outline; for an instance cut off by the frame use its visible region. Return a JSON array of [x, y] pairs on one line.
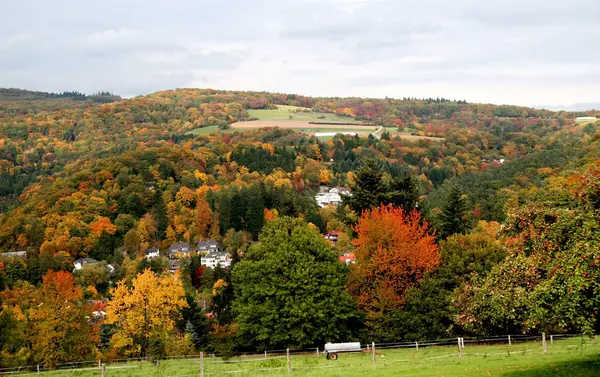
[[160, 214], [370, 192], [290, 290], [403, 193], [454, 218], [368, 188]]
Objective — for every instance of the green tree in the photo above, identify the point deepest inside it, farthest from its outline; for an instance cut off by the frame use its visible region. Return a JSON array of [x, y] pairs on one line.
[[95, 274], [368, 189], [454, 218], [428, 311], [289, 290]]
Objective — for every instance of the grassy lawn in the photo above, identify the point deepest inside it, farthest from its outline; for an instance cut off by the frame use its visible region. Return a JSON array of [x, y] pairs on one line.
[[283, 113], [564, 358], [585, 121]]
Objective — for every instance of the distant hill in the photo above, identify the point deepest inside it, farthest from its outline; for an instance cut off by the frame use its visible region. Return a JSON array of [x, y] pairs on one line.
[[28, 95], [583, 106]]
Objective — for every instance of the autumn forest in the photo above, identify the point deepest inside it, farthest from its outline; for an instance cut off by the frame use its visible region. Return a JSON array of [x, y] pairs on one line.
[[485, 221]]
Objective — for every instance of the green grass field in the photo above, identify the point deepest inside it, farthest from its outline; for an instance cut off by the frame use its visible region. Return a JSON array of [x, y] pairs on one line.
[[283, 113], [569, 357], [585, 121]]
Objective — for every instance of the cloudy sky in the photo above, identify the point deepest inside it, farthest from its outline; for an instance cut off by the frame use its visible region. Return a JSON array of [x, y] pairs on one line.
[[527, 52]]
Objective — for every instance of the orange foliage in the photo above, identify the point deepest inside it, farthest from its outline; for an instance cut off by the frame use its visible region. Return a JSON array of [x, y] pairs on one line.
[[103, 224], [393, 250]]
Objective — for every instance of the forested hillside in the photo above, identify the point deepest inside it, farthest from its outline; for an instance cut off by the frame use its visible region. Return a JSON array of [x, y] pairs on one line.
[[492, 230]]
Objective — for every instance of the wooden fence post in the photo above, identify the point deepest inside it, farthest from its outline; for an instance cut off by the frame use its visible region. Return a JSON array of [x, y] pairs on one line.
[[317, 351], [374, 354], [289, 363], [459, 350], [265, 354], [103, 370], [417, 345], [38, 368], [544, 346], [201, 364], [551, 339], [509, 342]]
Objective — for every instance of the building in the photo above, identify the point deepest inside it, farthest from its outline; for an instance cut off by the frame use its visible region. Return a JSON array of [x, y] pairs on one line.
[[14, 254], [586, 118], [348, 258], [152, 253], [215, 258], [333, 237], [79, 263], [207, 246], [174, 265], [179, 249], [331, 197]]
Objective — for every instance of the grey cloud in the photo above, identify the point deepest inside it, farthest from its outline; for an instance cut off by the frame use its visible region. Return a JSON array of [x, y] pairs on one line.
[[329, 46]]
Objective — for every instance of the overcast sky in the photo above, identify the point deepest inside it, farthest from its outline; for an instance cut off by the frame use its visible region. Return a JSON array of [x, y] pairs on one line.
[[527, 52]]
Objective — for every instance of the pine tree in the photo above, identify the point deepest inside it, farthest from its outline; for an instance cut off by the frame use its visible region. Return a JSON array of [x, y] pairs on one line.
[[189, 328], [160, 214], [454, 219], [368, 189]]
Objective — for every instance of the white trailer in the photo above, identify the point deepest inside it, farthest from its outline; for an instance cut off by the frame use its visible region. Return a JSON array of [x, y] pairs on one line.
[[332, 349]]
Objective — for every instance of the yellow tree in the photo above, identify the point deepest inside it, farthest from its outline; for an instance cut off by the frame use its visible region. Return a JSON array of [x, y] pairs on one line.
[[145, 314]]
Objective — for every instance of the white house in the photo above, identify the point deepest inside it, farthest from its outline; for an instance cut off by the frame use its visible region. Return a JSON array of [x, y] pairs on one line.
[[79, 263], [331, 198], [152, 253], [586, 118], [214, 258]]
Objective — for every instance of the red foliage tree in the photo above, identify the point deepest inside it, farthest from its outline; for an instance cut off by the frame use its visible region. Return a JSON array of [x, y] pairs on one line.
[[393, 250]]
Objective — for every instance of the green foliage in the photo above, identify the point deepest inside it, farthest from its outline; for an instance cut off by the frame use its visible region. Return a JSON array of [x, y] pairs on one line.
[[289, 291], [454, 218], [370, 191], [549, 282]]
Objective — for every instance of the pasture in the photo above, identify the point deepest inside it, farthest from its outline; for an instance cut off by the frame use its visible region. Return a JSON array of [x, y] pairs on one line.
[[572, 357], [289, 117], [297, 114]]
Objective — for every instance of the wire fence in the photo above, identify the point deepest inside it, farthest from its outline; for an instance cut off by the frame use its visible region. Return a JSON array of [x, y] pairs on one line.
[[301, 359]]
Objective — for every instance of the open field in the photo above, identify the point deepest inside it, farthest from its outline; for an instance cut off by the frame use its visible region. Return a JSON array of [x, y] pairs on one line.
[[407, 136], [585, 121], [298, 126], [572, 357], [283, 114]]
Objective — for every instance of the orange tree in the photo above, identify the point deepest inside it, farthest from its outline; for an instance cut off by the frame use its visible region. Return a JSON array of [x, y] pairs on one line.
[[49, 325], [393, 250]]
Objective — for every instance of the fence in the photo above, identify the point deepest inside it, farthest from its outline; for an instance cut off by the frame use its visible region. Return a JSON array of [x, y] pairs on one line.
[[286, 360]]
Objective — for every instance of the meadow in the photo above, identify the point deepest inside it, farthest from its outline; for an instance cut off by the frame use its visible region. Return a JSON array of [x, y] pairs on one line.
[[289, 117], [285, 113], [571, 357]]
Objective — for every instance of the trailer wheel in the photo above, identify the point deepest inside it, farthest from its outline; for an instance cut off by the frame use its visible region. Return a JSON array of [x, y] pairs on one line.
[[333, 356]]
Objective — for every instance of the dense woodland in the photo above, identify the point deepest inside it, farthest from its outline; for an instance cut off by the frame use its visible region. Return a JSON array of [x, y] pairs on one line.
[[493, 230]]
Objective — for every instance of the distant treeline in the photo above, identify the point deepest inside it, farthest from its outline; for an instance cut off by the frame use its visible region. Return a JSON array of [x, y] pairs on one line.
[[19, 94]]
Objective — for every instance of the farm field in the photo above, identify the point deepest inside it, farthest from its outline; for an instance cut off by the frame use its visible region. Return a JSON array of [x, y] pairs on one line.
[[298, 126], [585, 121], [283, 114], [407, 136], [569, 357]]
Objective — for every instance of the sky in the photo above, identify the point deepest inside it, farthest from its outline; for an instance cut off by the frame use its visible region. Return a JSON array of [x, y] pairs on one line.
[[524, 52]]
